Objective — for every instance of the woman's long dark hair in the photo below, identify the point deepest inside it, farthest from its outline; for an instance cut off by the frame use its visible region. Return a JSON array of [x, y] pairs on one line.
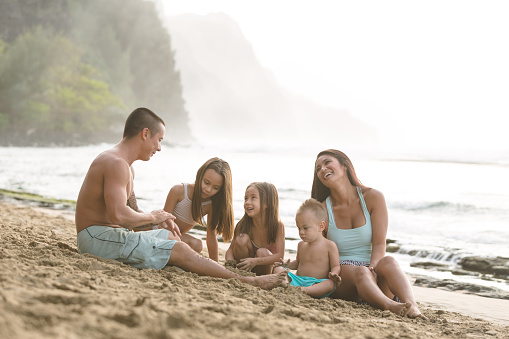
[[319, 191]]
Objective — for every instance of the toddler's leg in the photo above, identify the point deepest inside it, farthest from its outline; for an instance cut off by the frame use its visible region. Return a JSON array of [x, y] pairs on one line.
[[318, 290]]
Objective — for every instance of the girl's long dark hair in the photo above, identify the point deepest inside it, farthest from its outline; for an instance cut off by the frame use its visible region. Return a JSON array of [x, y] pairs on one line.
[[319, 191], [222, 207], [268, 199]]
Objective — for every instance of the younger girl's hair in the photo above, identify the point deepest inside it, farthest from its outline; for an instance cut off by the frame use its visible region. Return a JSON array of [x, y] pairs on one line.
[[269, 204], [319, 191], [222, 217]]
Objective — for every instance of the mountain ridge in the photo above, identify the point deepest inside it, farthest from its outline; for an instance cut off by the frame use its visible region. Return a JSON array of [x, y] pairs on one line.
[[225, 86]]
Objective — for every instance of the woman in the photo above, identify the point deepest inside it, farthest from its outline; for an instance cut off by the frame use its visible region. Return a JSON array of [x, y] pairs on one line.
[[358, 223]]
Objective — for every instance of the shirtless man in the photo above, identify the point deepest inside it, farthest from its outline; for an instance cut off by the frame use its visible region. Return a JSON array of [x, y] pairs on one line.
[[107, 213]]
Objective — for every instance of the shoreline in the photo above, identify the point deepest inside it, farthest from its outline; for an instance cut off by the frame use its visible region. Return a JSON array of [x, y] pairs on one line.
[[48, 290]]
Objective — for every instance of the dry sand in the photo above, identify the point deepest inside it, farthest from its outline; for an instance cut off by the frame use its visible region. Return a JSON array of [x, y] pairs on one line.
[[48, 290]]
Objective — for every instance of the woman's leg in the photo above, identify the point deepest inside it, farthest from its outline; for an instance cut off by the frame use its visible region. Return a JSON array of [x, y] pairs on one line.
[[391, 275], [361, 280], [195, 243]]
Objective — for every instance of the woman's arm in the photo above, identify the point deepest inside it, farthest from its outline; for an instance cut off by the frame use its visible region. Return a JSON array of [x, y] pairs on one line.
[[326, 221], [377, 207]]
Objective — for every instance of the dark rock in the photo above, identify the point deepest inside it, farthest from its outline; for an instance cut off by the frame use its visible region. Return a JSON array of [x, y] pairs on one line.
[[392, 248], [462, 272], [484, 265], [452, 285], [429, 264], [501, 271]]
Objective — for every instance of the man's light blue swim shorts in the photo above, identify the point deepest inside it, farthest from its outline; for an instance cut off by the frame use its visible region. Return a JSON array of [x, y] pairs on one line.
[[303, 281], [145, 249]]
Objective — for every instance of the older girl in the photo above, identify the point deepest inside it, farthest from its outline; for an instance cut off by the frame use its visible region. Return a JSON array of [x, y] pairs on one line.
[[210, 195]]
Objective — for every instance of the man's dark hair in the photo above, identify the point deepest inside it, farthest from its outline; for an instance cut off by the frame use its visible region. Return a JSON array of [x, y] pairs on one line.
[[142, 118]]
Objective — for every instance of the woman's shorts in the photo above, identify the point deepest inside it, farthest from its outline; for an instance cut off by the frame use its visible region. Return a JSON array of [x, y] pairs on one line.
[[145, 249]]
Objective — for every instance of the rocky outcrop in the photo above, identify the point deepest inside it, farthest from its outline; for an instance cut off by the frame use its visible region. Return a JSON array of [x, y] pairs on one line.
[[453, 285], [498, 267]]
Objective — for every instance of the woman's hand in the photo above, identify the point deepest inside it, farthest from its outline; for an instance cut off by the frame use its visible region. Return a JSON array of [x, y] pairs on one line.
[[372, 270], [246, 264]]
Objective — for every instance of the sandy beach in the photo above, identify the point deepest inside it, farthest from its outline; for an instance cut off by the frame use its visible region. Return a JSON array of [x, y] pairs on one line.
[[48, 290]]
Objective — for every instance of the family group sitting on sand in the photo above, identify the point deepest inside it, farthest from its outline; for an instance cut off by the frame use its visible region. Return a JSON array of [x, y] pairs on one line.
[[343, 226]]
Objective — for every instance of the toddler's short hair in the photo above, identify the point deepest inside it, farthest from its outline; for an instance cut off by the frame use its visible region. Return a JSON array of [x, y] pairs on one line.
[[314, 206]]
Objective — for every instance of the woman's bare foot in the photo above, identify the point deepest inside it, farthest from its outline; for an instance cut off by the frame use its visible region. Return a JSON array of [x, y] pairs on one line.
[[400, 309], [414, 312], [266, 282]]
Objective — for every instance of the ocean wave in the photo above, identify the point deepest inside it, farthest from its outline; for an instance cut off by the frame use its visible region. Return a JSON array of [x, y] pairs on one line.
[[444, 206]]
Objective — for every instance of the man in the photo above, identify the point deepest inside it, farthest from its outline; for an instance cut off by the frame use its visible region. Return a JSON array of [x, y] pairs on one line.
[[107, 213]]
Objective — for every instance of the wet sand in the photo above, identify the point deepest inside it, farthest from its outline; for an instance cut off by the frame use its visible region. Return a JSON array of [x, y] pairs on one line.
[[48, 290]]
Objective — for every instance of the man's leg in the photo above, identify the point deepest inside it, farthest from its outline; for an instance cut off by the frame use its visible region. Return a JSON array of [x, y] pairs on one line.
[[186, 258]]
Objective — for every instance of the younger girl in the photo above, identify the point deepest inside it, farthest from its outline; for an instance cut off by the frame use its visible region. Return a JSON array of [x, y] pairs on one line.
[[259, 239], [211, 196]]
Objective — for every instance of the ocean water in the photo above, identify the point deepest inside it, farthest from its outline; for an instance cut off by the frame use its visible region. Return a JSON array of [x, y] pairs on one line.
[[440, 209]]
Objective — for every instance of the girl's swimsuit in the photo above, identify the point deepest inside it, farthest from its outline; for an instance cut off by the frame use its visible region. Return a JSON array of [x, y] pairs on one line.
[[354, 245], [271, 247], [182, 209]]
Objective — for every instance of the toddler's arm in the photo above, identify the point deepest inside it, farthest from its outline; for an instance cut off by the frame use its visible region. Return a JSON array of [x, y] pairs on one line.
[[293, 265], [335, 267]]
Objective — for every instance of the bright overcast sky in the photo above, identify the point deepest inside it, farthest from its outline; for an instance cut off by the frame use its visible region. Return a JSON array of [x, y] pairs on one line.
[[436, 70]]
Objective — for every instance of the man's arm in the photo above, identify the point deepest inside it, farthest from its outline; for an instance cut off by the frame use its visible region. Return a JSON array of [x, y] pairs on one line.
[[117, 177], [133, 203]]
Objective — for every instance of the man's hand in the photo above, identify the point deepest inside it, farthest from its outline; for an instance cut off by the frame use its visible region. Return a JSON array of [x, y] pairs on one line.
[[161, 216], [171, 226]]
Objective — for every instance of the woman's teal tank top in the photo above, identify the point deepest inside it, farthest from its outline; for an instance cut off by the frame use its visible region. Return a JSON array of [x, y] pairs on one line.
[[353, 244]]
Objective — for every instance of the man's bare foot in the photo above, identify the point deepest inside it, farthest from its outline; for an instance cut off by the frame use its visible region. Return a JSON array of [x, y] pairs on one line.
[[400, 309], [413, 312], [266, 282]]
